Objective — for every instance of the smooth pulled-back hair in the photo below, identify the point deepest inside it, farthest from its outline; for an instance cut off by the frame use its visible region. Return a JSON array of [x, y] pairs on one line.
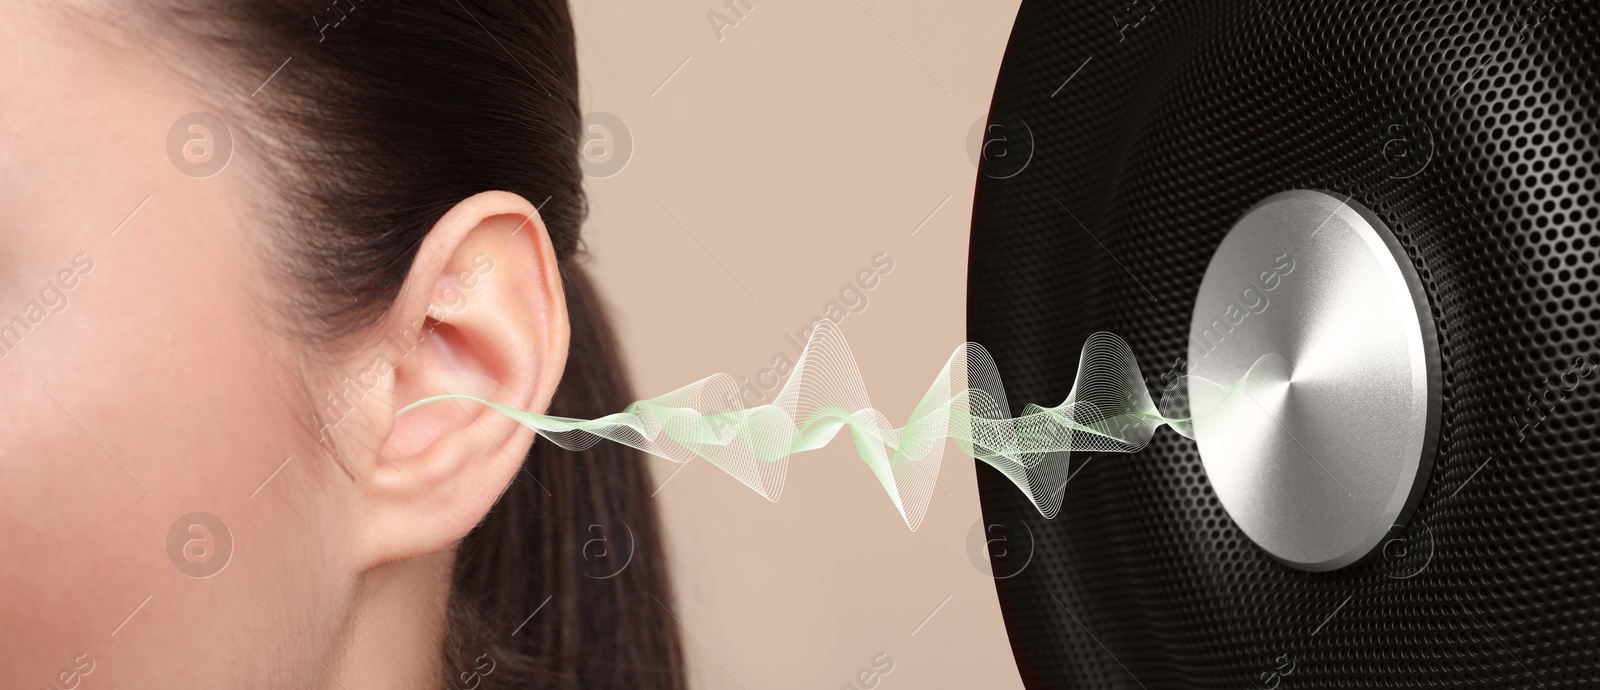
[[386, 115]]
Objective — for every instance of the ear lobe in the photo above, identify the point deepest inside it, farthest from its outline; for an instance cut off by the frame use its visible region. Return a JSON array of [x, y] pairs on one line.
[[484, 301]]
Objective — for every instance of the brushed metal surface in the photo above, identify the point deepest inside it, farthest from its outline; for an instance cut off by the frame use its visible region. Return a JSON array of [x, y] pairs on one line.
[[1328, 443]]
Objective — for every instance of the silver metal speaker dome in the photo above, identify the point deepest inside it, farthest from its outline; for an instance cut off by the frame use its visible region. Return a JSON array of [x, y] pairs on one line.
[[1326, 445]]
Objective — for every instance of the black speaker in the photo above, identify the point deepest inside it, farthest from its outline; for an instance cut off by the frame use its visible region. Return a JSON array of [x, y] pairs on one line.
[[1125, 138]]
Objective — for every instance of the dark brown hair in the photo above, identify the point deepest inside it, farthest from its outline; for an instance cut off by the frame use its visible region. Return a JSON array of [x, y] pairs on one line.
[[379, 118]]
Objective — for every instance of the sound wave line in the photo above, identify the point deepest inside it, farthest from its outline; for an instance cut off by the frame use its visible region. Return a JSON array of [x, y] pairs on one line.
[[1108, 410]]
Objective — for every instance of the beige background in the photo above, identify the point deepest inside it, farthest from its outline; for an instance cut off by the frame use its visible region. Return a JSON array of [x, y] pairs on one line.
[[766, 171]]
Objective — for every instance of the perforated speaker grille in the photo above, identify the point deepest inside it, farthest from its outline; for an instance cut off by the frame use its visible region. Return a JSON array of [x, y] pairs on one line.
[[1471, 129]]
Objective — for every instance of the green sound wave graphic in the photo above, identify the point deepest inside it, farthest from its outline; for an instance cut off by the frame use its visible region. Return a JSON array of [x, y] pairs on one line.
[[1108, 409]]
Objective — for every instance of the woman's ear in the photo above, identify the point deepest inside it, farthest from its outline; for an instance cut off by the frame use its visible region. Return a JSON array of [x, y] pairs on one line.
[[482, 313]]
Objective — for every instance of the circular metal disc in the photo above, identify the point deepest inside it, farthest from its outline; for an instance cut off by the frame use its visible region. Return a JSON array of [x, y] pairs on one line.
[[1314, 379]]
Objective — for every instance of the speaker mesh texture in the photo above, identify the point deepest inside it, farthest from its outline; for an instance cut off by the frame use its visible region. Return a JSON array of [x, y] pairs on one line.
[[1471, 130]]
